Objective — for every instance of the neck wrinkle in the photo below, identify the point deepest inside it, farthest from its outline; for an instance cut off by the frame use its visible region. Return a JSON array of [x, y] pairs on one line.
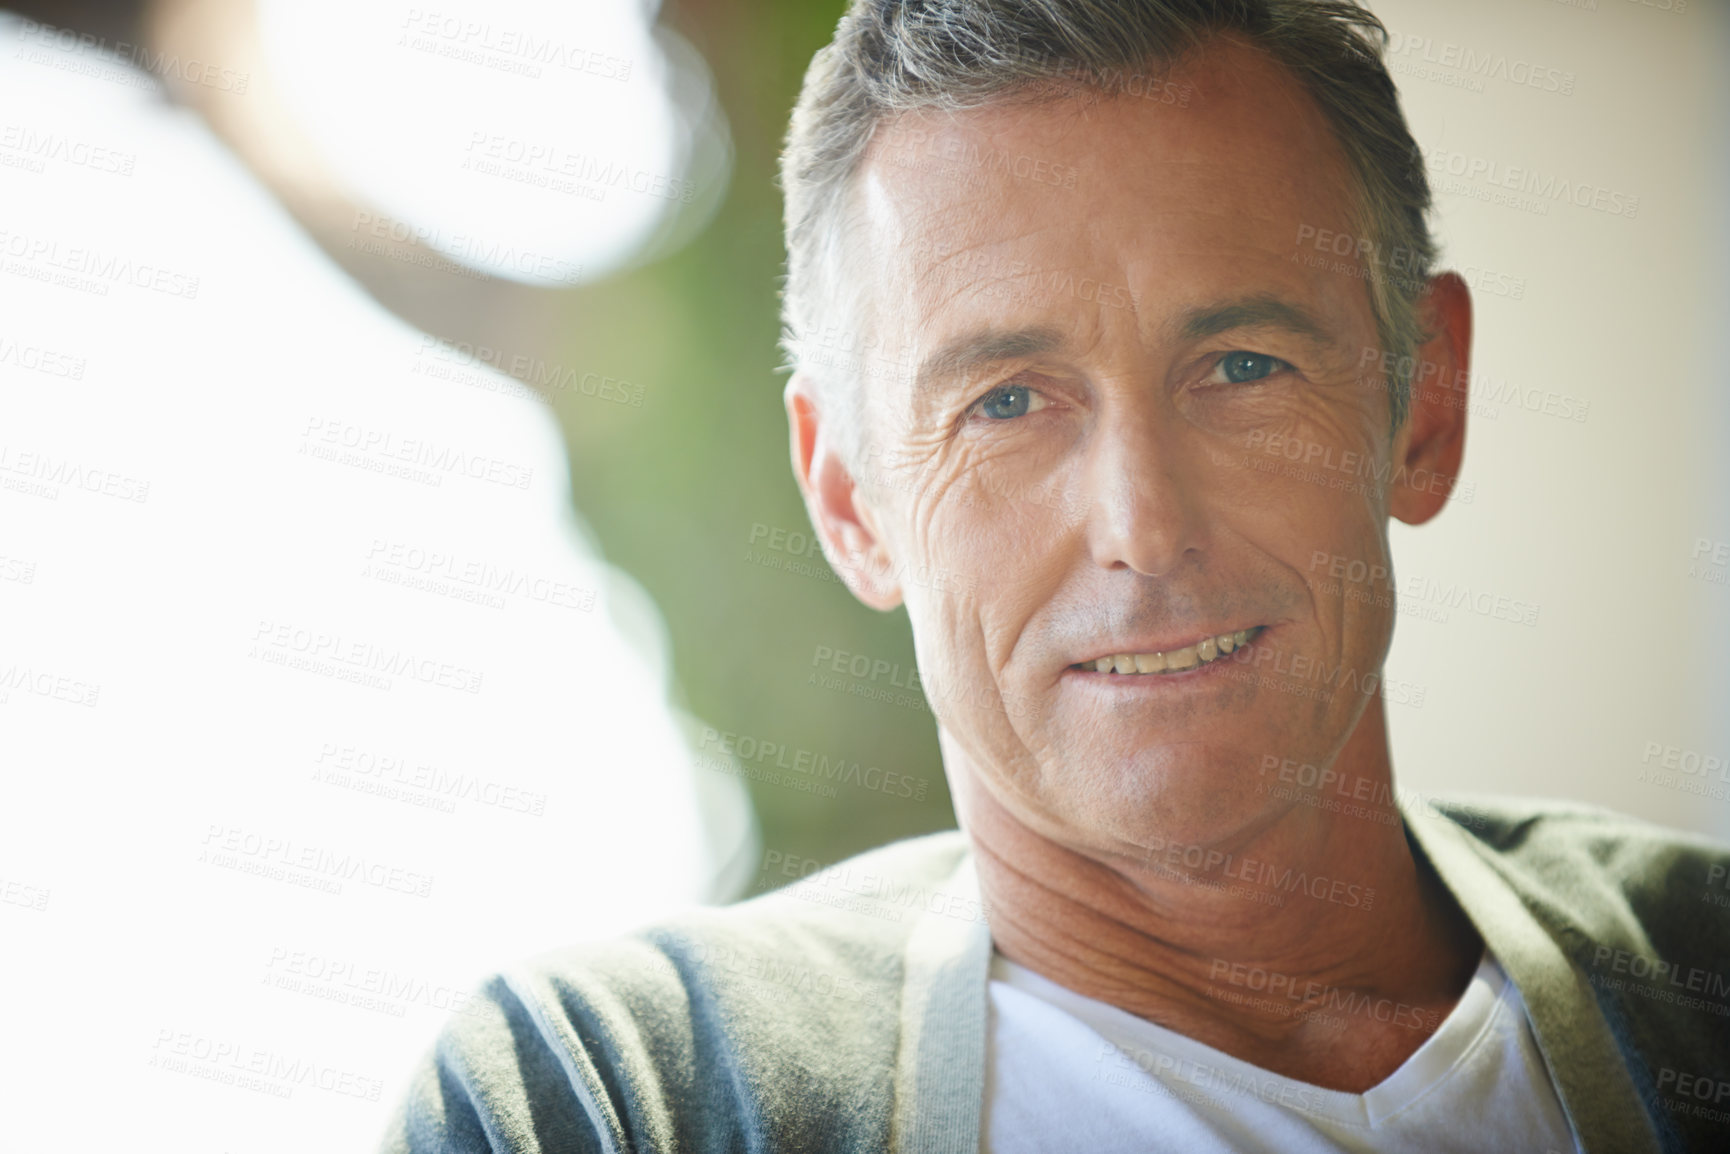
[[1154, 944]]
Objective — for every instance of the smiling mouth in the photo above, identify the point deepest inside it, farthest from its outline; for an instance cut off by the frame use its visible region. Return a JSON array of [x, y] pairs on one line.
[[1176, 660]]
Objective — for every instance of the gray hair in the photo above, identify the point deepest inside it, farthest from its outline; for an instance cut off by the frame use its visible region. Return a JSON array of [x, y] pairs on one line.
[[891, 57]]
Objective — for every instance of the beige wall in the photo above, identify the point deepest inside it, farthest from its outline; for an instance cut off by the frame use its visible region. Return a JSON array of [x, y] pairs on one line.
[[1593, 522]]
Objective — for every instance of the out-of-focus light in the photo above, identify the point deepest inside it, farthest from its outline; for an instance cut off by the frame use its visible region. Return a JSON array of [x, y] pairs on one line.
[[453, 746], [541, 141]]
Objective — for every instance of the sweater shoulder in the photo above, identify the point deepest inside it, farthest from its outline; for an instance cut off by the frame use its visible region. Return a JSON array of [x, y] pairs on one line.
[[771, 1023], [1618, 878]]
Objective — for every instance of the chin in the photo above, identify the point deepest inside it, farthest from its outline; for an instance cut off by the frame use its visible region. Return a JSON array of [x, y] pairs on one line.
[[1193, 797]]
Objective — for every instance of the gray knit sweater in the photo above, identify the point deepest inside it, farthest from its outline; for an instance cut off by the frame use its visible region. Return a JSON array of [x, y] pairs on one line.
[[848, 1012]]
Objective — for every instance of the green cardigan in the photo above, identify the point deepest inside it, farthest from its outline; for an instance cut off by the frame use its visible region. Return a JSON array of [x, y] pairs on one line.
[[848, 1012]]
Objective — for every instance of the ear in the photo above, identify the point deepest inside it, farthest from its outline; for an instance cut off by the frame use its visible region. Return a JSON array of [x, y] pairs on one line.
[[1430, 445], [845, 522]]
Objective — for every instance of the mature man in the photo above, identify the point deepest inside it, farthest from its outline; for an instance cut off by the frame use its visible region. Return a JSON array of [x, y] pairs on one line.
[[1059, 324]]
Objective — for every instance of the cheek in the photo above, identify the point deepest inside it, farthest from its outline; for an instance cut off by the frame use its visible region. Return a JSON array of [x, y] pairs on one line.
[[985, 564], [1320, 475], [969, 578], [986, 515], [1349, 577]]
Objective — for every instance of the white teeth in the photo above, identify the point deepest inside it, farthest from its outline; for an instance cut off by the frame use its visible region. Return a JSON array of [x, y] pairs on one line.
[[1177, 660]]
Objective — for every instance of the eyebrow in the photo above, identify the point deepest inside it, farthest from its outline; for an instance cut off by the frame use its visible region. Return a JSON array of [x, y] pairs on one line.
[[1252, 312], [961, 357]]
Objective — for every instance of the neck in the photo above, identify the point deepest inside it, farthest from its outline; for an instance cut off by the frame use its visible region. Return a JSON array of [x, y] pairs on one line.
[[1281, 946]]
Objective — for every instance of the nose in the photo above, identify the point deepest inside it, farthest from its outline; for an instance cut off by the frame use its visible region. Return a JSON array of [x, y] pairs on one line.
[[1142, 508]]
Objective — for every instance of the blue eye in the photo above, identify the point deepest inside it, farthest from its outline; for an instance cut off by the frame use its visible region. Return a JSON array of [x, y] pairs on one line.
[[1240, 368], [1010, 401]]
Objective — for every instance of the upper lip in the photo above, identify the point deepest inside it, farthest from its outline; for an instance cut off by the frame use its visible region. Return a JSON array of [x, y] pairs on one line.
[[1158, 646]]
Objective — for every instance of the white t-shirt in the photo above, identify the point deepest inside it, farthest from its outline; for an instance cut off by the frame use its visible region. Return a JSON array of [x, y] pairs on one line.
[[1066, 1072]]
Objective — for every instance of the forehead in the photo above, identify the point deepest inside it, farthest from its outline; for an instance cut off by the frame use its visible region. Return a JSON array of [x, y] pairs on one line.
[[1164, 202]]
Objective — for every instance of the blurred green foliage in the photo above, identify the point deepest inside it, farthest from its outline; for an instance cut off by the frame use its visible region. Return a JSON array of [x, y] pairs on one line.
[[674, 489]]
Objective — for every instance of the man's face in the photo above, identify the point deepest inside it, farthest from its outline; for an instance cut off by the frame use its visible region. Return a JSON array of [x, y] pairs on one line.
[[1117, 335]]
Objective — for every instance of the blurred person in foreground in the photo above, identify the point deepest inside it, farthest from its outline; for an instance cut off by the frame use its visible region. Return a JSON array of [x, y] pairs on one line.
[[1058, 319], [304, 650]]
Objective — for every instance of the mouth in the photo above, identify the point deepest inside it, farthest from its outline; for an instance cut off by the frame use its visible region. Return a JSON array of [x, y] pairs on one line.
[[1165, 663]]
